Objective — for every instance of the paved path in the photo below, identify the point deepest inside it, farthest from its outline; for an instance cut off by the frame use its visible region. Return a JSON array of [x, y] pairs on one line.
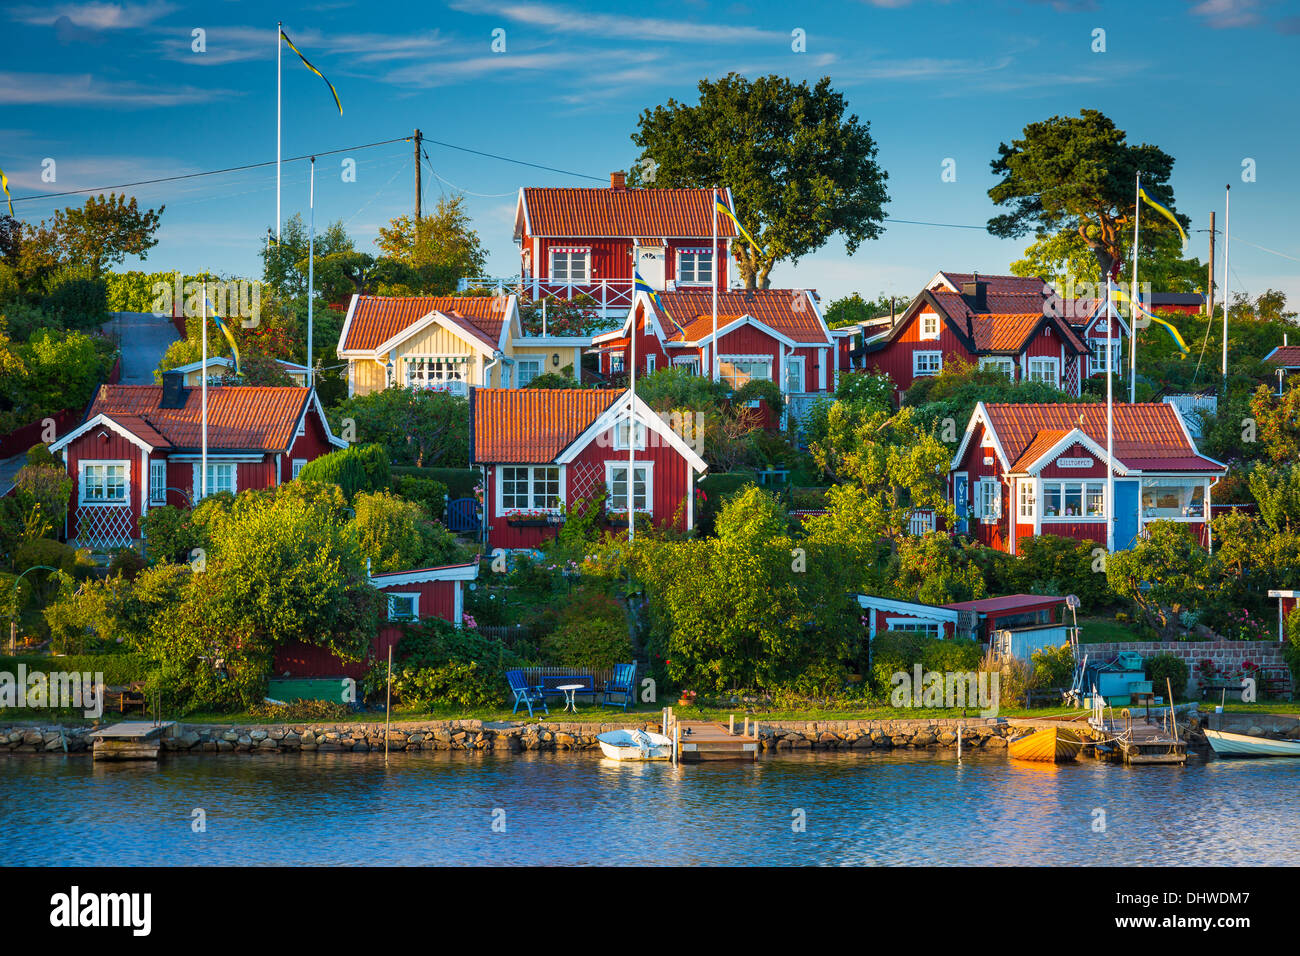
[[8, 468], [144, 339]]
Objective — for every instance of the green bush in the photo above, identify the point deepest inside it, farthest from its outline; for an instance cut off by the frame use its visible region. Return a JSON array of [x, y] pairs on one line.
[[1162, 666], [77, 296], [1053, 667], [299, 711], [170, 534], [593, 643], [460, 482], [761, 388], [429, 494], [437, 665], [895, 651], [364, 468], [117, 668]]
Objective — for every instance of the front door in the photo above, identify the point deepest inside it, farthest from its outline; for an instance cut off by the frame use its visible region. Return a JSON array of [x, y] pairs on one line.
[[650, 263], [1126, 514], [960, 485]]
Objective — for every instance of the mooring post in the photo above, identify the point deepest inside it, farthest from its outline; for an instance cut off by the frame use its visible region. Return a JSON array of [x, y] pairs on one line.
[[388, 702], [731, 725], [961, 728], [746, 730], [677, 742]]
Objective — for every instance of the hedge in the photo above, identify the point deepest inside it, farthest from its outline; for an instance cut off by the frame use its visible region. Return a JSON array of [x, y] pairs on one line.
[[116, 668], [719, 485], [460, 482]]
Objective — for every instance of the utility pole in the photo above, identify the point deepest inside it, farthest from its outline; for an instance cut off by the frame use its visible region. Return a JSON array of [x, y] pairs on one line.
[[418, 138], [1209, 293]]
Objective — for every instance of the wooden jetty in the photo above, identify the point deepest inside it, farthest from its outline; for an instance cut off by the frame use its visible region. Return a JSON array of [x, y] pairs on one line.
[[696, 740], [1139, 742], [131, 740]]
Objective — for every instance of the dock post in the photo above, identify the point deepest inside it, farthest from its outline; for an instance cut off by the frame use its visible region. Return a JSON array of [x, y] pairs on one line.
[[665, 722], [677, 742], [731, 725], [960, 730], [746, 730]]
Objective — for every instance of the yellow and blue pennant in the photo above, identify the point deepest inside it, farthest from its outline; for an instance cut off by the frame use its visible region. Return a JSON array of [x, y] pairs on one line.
[[722, 208], [1164, 211], [307, 63], [640, 285], [4, 181], [1119, 295]]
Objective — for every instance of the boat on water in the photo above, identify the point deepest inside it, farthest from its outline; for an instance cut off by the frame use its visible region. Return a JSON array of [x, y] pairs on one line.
[[1049, 745], [1227, 744], [630, 744]]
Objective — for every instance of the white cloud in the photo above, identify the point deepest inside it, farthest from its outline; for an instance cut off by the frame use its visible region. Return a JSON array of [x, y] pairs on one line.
[[563, 20], [83, 89], [1225, 14], [94, 15]]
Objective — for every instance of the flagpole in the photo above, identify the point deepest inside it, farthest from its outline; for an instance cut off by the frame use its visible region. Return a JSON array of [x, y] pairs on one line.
[[311, 267], [1227, 293], [713, 365], [279, 48], [631, 435], [203, 467], [1110, 420], [1133, 304]]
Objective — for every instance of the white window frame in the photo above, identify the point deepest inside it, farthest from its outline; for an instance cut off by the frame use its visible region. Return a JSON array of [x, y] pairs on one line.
[[791, 362], [999, 363], [696, 258], [1059, 487], [1193, 486], [616, 363], [913, 626], [925, 332], [650, 363], [533, 492], [732, 380], [298, 465], [212, 485], [415, 606], [620, 436], [157, 489], [935, 358], [534, 363], [691, 363], [619, 502], [1097, 357], [570, 257], [1042, 361], [84, 481], [435, 371], [988, 499]]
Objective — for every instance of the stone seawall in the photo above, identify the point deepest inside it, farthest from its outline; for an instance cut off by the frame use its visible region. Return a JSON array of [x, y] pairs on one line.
[[1228, 656], [516, 737]]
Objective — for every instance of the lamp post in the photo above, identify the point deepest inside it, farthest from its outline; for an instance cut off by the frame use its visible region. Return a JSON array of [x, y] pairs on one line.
[[13, 604]]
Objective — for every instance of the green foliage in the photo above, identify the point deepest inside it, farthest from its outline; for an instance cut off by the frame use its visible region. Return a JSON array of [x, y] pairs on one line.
[[354, 469], [593, 643], [428, 494], [1277, 491], [83, 616], [299, 711], [437, 665], [761, 388], [1167, 571], [933, 569], [580, 315], [170, 534], [1160, 667], [552, 380], [46, 490], [396, 535], [41, 455], [1049, 564], [673, 388], [852, 309], [77, 296], [98, 234], [423, 427], [801, 167], [1053, 666], [460, 482], [118, 668], [439, 250], [894, 652]]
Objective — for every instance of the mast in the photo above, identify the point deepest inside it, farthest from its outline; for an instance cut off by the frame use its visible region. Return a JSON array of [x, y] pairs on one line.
[[713, 364], [1227, 293], [311, 268], [1133, 302], [1110, 419], [203, 374], [279, 48]]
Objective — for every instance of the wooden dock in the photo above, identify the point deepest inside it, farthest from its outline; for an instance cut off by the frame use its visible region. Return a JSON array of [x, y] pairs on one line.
[[131, 740], [700, 740], [1141, 742]]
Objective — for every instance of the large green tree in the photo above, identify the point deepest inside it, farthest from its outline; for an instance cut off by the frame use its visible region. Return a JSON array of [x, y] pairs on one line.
[[801, 167], [98, 234], [432, 254], [1077, 173]]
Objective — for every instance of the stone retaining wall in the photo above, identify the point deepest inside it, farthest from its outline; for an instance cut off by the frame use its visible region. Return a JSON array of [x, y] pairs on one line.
[[1227, 655], [480, 735]]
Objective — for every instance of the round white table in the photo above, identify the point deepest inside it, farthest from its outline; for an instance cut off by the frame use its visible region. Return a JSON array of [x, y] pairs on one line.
[[570, 690]]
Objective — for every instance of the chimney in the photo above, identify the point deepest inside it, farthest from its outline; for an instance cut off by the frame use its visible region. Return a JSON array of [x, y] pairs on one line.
[[174, 391], [618, 180], [977, 293]]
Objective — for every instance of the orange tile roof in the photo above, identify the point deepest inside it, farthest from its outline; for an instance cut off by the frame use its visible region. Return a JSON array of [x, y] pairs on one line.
[[588, 213], [1288, 356], [1147, 435], [240, 417], [999, 285], [531, 425], [773, 307], [376, 319], [1006, 323]]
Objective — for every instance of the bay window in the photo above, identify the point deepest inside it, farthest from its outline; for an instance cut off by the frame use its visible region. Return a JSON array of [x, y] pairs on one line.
[[530, 488], [1173, 498]]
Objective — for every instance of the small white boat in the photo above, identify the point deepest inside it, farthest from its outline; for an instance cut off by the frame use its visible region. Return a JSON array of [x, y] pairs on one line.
[[1242, 745], [635, 745]]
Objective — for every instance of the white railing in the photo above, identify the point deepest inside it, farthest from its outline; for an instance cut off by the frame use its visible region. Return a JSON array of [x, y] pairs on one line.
[[921, 522], [610, 295], [798, 405], [103, 527]]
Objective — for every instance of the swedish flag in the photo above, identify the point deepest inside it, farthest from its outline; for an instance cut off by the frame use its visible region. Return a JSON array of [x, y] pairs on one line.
[[4, 181], [1119, 295], [640, 285], [307, 63], [1164, 211], [722, 208], [230, 338]]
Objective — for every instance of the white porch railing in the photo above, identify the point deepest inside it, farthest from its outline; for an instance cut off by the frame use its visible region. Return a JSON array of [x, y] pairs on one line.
[[610, 295]]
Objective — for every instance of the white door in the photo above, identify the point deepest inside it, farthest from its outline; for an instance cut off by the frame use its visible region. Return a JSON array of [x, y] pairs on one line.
[[650, 263]]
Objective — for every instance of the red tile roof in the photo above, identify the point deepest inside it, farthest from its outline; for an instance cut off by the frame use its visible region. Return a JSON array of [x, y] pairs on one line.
[[1008, 602], [1147, 435], [773, 307], [240, 417], [999, 285], [532, 425], [1288, 356], [376, 319], [589, 213], [1007, 322]]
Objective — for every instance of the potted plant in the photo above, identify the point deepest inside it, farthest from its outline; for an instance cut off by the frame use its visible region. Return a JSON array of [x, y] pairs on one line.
[[687, 699], [520, 518]]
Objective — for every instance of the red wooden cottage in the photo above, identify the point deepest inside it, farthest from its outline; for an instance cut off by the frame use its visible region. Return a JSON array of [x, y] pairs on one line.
[[543, 451], [140, 446], [773, 334], [1006, 323], [412, 596], [1024, 470], [588, 240]]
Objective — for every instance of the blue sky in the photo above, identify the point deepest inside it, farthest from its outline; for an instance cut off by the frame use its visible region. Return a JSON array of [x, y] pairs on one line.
[[114, 93]]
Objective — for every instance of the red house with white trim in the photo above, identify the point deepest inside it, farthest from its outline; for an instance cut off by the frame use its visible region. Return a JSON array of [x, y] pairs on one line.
[[1025, 470], [544, 451], [588, 240], [413, 596], [1007, 323], [774, 334], [140, 447]]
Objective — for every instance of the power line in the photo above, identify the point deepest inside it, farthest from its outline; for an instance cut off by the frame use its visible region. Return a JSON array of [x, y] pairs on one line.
[[948, 225], [211, 172], [518, 162]]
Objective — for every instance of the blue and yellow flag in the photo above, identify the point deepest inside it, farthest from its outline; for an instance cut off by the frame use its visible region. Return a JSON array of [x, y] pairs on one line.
[[640, 285], [1164, 211], [722, 208], [230, 338], [4, 181], [307, 63], [1119, 295]]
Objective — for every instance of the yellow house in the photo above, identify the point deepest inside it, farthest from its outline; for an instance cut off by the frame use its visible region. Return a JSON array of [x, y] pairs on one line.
[[448, 343], [219, 367]]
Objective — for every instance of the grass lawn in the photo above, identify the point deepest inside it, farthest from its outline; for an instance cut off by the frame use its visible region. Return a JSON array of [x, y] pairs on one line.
[[1104, 629]]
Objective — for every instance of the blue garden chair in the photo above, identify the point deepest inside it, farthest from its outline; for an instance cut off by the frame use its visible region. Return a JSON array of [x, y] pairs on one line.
[[622, 685], [524, 693]]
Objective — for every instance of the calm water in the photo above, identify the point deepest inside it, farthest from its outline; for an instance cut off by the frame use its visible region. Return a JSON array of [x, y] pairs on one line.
[[437, 808]]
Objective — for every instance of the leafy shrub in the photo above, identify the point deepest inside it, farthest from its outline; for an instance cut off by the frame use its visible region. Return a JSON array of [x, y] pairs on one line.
[[895, 651], [593, 643], [363, 468], [1162, 666], [170, 534], [126, 562], [429, 494], [1053, 667], [764, 389], [460, 482], [437, 665], [1049, 564], [552, 380], [118, 668], [297, 711], [41, 455]]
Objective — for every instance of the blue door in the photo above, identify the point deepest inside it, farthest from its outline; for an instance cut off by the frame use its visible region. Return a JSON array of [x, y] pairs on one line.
[[1126, 514], [960, 483]]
